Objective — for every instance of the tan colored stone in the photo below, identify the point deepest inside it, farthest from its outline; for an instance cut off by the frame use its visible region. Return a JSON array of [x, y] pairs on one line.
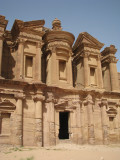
[[53, 92]]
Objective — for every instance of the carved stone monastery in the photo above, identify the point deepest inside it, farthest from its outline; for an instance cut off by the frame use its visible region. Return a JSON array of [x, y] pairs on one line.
[[52, 90]]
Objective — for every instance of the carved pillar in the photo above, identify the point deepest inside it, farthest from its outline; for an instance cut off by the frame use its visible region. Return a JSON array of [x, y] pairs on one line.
[[20, 59], [19, 120], [53, 66], [38, 120], [100, 79], [79, 137], [86, 70], [1, 50], [89, 103], [3, 24], [104, 121], [38, 61], [114, 74], [49, 121]]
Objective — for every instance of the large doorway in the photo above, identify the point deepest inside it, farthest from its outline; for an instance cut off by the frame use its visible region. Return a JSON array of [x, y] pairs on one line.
[[63, 122]]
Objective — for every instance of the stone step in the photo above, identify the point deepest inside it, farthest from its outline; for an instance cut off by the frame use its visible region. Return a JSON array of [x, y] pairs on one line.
[[68, 141]]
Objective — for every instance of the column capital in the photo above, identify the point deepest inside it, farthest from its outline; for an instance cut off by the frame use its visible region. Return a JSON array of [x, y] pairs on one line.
[[99, 57], [118, 104], [112, 60], [50, 97], [86, 54], [21, 40], [39, 44], [98, 101], [51, 48], [1, 36], [39, 98], [89, 99], [19, 96], [104, 102]]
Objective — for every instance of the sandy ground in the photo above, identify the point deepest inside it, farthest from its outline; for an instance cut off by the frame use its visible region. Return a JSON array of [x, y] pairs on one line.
[[61, 152]]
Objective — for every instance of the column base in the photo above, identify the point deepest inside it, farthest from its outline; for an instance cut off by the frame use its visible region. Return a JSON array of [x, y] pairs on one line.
[[91, 141]]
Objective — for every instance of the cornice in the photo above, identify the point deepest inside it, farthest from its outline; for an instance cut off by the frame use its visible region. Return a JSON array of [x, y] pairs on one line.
[[109, 59], [59, 36], [109, 51]]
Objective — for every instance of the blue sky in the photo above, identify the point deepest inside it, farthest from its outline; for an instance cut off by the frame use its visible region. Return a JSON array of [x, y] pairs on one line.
[[100, 18]]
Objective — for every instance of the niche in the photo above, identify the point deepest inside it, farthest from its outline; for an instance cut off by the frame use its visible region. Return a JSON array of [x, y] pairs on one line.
[[5, 123], [29, 66], [62, 70]]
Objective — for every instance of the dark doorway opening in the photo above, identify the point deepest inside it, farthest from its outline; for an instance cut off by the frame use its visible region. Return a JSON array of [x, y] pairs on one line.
[[63, 122]]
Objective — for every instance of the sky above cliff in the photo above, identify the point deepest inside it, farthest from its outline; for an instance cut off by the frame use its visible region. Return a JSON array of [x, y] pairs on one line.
[[100, 18]]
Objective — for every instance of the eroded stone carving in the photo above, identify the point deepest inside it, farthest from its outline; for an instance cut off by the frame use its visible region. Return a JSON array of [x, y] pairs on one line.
[[46, 76]]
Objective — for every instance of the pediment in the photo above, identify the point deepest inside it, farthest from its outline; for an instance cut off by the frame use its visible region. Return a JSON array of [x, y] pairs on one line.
[[27, 26], [64, 106], [7, 105], [86, 39], [112, 112]]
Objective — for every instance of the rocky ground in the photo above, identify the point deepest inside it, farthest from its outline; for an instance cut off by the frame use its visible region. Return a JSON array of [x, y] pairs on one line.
[[61, 152]]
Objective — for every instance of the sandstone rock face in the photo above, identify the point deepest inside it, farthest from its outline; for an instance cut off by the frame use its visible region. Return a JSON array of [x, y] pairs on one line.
[[52, 90]]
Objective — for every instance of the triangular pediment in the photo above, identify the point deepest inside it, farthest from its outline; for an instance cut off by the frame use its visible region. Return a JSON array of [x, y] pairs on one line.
[[86, 39]]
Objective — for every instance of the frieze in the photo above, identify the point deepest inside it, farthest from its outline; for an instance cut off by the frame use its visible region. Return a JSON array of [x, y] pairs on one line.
[[58, 44], [30, 36]]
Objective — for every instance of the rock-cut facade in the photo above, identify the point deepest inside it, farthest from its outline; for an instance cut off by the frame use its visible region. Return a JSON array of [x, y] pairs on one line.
[[53, 88]]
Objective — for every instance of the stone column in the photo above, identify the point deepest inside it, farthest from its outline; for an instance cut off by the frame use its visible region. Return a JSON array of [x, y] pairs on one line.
[[38, 61], [18, 139], [69, 70], [78, 121], [100, 79], [49, 121], [3, 24], [20, 60], [86, 70], [1, 51], [53, 66], [114, 74], [38, 120], [91, 136], [104, 121]]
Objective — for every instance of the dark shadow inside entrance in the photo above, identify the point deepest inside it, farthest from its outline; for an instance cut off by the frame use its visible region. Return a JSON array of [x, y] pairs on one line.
[[63, 122]]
